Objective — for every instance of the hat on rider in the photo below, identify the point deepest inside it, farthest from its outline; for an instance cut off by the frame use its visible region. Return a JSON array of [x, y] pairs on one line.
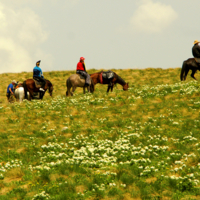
[[15, 82], [196, 42], [82, 58], [38, 61]]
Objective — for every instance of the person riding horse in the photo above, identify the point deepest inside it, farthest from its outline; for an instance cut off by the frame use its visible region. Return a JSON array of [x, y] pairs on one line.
[[38, 75], [196, 50], [80, 69]]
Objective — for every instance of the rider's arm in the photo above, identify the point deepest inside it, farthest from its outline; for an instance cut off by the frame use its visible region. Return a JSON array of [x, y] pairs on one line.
[[41, 73], [84, 66], [10, 89]]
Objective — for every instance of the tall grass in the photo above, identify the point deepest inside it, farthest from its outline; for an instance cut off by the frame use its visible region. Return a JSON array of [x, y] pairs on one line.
[[139, 144]]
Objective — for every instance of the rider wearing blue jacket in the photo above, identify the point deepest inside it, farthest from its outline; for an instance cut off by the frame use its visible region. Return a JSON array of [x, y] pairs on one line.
[[38, 75]]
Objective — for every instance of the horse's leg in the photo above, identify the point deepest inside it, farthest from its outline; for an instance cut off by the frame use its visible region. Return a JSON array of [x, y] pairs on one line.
[[25, 90], [108, 89], [111, 88], [182, 75], [193, 72], [83, 90], [88, 88], [41, 95], [31, 94], [68, 92], [185, 75], [73, 90], [69, 85]]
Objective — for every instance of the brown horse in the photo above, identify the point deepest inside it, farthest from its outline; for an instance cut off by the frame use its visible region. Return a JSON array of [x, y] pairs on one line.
[[97, 77], [29, 86], [189, 64]]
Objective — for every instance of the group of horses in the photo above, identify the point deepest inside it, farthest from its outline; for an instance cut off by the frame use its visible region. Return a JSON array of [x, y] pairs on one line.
[[29, 90], [76, 80]]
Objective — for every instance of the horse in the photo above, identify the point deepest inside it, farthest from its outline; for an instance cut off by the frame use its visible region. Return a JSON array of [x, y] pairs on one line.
[[189, 64], [97, 78], [19, 94], [29, 86], [76, 80]]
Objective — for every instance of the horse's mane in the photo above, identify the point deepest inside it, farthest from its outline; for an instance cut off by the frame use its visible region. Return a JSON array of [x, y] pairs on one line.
[[49, 82], [120, 79], [96, 73]]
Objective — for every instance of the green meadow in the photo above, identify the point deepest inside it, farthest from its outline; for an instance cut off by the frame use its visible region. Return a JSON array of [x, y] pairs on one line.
[[143, 143]]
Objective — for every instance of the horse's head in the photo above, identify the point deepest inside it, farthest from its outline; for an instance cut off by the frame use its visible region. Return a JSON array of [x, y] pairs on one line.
[[126, 86], [51, 90], [17, 84], [50, 87]]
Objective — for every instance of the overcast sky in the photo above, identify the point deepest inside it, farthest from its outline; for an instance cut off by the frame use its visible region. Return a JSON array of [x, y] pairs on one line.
[[110, 34]]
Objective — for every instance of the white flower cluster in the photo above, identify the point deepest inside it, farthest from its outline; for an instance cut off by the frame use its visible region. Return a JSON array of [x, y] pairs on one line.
[[12, 164], [180, 180], [1, 176], [100, 187], [41, 196], [162, 90], [189, 138]]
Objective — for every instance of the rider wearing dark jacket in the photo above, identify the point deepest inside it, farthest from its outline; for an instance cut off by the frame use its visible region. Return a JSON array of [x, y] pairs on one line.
[[196, 49]]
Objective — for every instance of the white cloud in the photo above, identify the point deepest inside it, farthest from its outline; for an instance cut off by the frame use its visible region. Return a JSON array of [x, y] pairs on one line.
[[21, 34], [152, 17]]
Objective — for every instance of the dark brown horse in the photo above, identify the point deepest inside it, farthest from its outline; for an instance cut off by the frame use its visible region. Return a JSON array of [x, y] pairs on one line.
[[97, 78], [189, 64], [29, 86]]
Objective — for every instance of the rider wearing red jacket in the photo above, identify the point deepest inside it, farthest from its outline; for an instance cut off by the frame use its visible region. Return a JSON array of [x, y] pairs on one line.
[[80, 69]]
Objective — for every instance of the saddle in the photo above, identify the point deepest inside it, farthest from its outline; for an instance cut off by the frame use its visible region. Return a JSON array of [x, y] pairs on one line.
[[37, 83], [108, 74], [81, 77], [197, 60]]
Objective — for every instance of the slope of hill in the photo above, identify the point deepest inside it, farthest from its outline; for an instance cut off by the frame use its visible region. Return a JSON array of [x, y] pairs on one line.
[[139, 144]]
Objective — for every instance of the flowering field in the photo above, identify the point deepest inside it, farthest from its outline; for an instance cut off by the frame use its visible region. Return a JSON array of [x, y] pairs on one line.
[[140, 144]]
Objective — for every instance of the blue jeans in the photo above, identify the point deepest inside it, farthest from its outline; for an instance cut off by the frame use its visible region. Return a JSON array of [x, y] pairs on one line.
[[85, 75]]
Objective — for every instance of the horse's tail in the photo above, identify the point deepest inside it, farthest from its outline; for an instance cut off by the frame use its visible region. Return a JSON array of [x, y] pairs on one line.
[[92, 86], [25, 90], [183, 71], [69, 85]]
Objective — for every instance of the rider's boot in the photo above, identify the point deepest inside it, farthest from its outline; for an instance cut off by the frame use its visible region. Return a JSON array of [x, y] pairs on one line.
[[41, 89], [86, 84]]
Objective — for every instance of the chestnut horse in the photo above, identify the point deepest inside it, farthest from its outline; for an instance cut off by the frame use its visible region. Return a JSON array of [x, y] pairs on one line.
[[96, 77], [189, 64], [29, 86]]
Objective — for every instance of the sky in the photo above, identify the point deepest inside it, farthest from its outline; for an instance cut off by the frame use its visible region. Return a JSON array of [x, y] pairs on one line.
[[110, 34]]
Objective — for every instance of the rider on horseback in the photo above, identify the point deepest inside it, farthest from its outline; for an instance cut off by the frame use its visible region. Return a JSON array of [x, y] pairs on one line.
[[196, 49], [80, 69], [38, 76]]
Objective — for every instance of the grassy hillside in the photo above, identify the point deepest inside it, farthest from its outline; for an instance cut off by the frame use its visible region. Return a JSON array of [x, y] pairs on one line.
[[139, 144]]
